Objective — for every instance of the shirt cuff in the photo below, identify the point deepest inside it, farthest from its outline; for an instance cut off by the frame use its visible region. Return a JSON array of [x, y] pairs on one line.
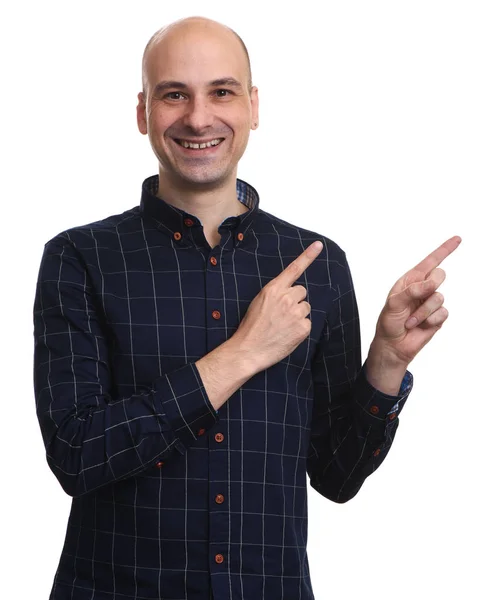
[[375, 406], [185, 404]]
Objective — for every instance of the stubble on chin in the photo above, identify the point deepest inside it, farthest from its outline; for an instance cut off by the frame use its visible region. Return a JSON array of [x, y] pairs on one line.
[[201, 178]]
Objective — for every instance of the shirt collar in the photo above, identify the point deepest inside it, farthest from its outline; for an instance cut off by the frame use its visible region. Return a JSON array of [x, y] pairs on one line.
[[177, 220]]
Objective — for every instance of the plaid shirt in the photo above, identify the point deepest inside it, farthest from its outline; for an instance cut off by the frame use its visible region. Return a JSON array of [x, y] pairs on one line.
[[171, 498]]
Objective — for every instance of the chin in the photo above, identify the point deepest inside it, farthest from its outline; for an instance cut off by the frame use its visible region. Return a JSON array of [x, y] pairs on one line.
[[209, 178]]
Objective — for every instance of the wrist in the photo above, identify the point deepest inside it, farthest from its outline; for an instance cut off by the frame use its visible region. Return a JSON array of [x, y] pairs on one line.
[[223, 371], [245, 360], [384, 370], [381, 353]]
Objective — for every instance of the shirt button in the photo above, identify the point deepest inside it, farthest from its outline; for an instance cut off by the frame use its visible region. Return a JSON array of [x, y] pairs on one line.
[[177, 235], [392, 416], [374, 410], [219, 499], [188, 222], [219, 558], [240, 236], [219, 437], [213, 260], [201, 431], [159, 464], [216, 314], [376, 452]]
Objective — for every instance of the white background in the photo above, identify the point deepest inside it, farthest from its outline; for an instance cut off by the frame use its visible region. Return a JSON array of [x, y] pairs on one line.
[[378, 128]]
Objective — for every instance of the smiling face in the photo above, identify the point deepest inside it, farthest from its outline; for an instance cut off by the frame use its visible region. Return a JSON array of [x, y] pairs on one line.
[[197, 108]]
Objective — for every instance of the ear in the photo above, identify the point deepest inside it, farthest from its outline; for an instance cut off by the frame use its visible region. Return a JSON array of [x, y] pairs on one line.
[[254, 101], [141, 117]]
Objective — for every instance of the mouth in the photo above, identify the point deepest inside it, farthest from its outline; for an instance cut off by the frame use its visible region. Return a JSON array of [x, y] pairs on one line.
[[208, 146]]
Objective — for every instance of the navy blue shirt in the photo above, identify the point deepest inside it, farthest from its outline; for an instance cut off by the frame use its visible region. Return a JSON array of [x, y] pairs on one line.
[[172, 499]]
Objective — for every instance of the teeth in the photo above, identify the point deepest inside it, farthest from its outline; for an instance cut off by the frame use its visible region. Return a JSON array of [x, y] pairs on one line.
[[200, 146]]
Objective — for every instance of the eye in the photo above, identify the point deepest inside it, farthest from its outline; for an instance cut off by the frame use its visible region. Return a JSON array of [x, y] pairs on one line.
[[173, 95], [222, 93]]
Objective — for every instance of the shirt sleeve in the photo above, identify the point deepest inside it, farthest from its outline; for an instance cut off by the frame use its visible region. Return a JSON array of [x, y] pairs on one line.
[[91, 436], [353, 424]]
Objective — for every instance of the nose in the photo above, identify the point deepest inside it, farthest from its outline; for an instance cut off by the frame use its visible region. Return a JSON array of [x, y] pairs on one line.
[[198, 115]]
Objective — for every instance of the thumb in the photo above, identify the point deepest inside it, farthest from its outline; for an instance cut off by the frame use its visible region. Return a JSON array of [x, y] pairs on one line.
[[419, 290]]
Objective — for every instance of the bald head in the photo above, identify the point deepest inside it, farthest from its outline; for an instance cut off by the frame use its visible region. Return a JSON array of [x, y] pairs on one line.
[[198, 26]]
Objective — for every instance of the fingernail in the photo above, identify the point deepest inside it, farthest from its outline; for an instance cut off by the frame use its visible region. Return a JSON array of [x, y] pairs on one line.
[[317, 247], [411, 322]]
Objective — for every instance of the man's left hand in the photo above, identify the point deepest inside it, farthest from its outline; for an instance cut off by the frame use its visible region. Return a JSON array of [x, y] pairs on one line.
[[414, 310]]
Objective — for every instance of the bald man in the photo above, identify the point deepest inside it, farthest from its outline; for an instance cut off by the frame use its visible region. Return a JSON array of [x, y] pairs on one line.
[[197, 357]]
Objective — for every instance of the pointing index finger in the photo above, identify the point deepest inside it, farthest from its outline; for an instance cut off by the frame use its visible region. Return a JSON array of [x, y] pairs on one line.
[[437, 256], [295, 269]]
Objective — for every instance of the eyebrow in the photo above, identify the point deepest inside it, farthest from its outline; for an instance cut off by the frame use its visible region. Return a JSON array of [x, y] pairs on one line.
[[179, 85]]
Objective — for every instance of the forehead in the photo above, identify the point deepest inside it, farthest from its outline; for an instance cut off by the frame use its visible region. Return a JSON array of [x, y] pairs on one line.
[[195, 57]]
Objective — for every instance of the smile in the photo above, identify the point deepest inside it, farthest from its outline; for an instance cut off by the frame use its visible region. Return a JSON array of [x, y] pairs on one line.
[[199, 146]]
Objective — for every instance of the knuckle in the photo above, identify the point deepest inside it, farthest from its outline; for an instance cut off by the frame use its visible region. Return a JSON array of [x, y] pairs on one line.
[[426, 286], [304, 306], [305, 326], [272, 290], [287, 301], [391, 301], [293, 267], [438, 316]]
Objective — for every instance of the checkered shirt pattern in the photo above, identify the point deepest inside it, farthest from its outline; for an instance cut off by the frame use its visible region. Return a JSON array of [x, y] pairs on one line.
[[171, 499]]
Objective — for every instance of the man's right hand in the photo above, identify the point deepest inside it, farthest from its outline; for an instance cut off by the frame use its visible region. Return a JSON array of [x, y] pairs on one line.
[[274, 325], [276, 321]]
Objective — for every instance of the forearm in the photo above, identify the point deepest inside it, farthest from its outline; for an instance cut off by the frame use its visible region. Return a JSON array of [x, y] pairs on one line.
[[93, 435], [94, 439], [94, 444], [353, 421], [351, 438]]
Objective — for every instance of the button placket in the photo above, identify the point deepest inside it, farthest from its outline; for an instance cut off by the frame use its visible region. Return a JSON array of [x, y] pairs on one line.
[[215, 291]]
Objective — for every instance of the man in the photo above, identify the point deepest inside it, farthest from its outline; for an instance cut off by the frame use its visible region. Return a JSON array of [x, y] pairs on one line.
[[196, 357]]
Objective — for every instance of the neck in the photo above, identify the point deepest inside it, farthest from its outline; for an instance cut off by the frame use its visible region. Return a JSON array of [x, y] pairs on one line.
[[212, 204]]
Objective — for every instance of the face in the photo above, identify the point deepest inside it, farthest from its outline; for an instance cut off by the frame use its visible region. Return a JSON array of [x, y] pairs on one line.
[[197, 94]]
